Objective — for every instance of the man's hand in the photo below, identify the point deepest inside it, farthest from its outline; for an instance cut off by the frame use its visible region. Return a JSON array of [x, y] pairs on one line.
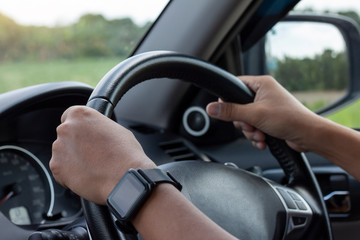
[[274, 111], [92, 153]]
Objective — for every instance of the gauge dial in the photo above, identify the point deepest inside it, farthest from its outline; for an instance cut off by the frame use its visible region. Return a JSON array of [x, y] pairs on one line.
[[26, 189]]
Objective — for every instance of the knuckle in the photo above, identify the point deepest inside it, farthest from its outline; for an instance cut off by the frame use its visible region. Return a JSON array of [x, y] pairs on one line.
[[56, 146], [79, 112], [54, 167], [53, 160], [269, 80], [63, 128]]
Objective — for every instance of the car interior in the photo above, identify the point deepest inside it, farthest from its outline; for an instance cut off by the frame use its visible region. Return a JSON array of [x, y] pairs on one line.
[[188, 57]]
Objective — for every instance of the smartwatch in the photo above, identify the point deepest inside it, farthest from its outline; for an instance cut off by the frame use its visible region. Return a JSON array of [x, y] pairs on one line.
[[132, 191]]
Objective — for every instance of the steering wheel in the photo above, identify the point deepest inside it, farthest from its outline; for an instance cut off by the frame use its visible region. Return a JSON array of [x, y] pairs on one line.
[[246, 205]]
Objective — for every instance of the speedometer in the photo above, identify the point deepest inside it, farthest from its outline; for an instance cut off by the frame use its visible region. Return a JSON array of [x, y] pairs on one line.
[[26, 189]]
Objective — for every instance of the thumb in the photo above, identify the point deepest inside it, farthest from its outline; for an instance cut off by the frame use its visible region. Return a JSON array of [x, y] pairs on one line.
[[229, 111]]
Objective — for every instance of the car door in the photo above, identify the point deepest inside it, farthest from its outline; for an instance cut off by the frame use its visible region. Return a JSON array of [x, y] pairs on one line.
[[287, 58]]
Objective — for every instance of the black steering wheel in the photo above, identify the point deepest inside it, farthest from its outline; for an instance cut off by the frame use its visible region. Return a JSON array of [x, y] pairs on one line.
[[246, 205]]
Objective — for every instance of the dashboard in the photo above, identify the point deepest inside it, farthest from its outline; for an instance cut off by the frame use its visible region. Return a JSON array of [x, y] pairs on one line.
[[29, 195], [30, 198]]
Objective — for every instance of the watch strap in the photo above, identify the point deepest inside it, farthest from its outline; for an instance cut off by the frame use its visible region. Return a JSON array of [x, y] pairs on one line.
[[126, 227], [156, 175]]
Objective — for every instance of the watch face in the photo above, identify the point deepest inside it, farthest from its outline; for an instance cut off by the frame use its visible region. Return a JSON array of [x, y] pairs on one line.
[[127, 195]]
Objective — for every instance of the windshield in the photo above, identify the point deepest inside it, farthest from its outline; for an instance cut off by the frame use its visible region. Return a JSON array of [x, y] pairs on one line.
[[69, 40]]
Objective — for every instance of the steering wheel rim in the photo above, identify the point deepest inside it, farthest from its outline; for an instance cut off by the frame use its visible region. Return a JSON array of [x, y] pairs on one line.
[[165, 64]]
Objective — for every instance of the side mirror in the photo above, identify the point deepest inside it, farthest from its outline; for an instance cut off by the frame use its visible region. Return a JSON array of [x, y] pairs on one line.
[[316, 57]]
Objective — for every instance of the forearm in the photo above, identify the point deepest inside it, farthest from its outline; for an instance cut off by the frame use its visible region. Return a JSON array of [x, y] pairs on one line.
[[167, 214], [338, 144]]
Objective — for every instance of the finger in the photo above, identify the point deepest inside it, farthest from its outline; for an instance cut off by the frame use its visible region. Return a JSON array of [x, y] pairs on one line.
[[65, 114], [79, 112], [255, 82], [55, 168], [259, 145], [256, 135], [230, 111], [251, 82], [243, 126]]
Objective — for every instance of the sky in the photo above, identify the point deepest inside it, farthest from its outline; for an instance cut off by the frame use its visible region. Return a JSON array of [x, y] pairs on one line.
[[309, 38], [62, 12], [334, 5]]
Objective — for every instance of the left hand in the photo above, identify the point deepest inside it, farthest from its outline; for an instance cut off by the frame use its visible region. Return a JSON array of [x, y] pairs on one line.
[[92, 153]]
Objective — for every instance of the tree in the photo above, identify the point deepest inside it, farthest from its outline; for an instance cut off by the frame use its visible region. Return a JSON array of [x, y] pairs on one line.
[[91, 36], [325, 71]]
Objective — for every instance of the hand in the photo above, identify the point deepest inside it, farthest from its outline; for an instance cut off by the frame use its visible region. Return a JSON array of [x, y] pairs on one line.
[[92, 153], [274, 111]]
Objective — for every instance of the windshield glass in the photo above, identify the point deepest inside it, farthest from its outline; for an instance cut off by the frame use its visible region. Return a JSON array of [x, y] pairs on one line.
[[50, 41]]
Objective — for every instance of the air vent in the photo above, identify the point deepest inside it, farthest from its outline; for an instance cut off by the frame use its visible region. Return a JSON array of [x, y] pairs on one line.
[[178, 150]]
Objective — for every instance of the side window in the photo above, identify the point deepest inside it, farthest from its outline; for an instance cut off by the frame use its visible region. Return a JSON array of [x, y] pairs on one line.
[[310, 60]]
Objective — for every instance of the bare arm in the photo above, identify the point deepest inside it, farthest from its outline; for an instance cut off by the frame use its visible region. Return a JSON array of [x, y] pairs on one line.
[[169, 215], [339, 144], [90, 156], [277, 113]]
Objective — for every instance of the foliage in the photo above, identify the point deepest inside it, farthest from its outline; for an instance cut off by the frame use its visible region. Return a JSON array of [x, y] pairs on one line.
[[91, 36], [325, 71]]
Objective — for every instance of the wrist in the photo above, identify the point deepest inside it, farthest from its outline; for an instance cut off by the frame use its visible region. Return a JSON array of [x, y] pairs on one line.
[[113, 177], [319, 132], [307, 133], [132, 192]]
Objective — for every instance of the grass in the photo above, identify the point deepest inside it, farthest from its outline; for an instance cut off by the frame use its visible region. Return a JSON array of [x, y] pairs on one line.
[[21, 74], [315, 100], [348, 116], [90, 71]]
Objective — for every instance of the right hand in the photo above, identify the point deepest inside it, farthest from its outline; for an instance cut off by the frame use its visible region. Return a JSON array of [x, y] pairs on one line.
[[274, 112], [92, 152]]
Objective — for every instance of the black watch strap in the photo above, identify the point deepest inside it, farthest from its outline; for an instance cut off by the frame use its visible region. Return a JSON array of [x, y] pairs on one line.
[[126, 227], [157, 175]]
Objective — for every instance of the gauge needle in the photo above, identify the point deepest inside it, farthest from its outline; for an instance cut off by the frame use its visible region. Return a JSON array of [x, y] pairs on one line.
[[7, 197], [14, 190]]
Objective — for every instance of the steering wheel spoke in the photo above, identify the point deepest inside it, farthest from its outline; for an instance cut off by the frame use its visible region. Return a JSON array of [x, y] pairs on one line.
[[298, 212]]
